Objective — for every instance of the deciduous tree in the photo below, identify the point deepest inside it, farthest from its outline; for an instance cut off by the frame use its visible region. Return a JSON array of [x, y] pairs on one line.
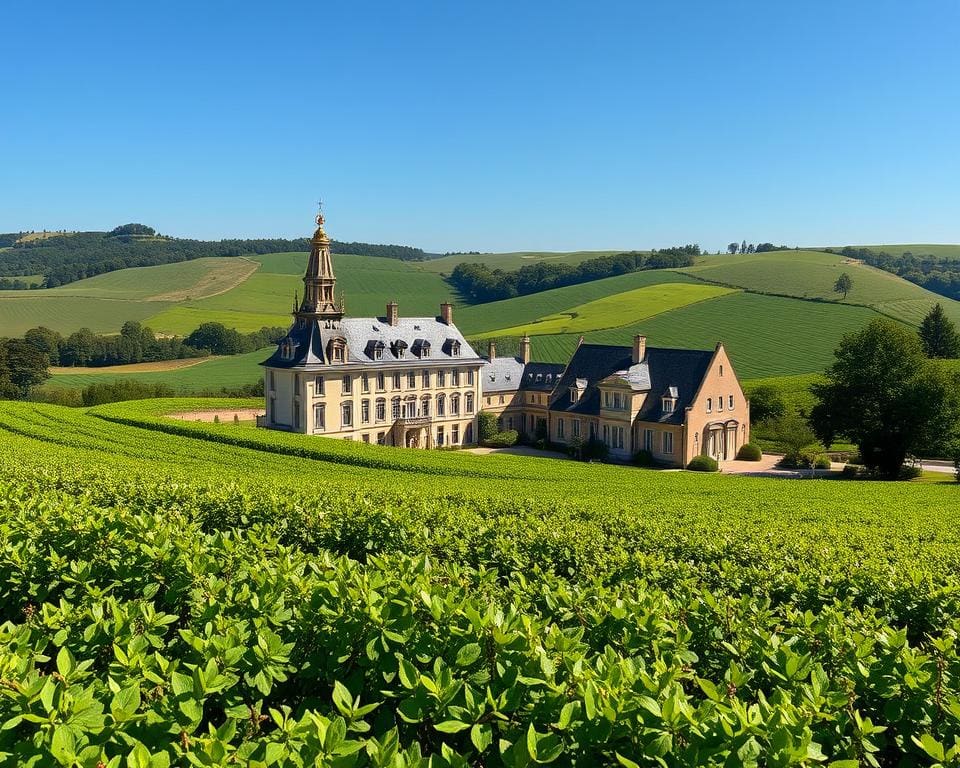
[[884, 395], [843, 285]]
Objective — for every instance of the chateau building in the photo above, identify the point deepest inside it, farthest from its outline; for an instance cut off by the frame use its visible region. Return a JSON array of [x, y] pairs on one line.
[[673, 403], [417, 382], [405, 381]]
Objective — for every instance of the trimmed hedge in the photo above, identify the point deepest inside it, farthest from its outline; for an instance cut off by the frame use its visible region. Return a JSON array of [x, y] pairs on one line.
[[703, 464], [502, 439], [749, 452]]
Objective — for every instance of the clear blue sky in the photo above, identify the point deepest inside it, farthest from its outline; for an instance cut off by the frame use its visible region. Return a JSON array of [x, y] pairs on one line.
[[490, 126]]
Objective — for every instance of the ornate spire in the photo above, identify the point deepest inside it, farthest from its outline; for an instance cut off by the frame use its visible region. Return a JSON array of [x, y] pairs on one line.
[[319, 282]]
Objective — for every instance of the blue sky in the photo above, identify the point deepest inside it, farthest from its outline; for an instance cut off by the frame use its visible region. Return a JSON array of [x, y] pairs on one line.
[[486, 126]]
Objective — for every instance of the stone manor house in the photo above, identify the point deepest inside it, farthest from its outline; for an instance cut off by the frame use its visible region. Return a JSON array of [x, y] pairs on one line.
[[417, 382]]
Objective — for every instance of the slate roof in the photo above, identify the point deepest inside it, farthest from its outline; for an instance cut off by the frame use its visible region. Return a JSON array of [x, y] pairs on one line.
[[660, 371], [310, 337], [508, 374]]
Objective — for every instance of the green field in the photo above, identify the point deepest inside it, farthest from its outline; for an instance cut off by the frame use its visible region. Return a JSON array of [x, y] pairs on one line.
[[812, 274], [266, 298], [618, 309], [212, 374], [939, 250], [180, 592], [512, 260]]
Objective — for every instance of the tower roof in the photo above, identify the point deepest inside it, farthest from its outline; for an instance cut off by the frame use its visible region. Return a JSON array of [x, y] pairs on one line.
[[319, 281]]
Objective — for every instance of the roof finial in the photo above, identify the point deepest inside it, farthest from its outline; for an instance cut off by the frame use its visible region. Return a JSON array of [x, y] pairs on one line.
[[320, 218]]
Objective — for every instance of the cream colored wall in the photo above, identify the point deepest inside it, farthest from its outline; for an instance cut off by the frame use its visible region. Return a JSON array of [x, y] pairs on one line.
[[713, 387], [335, 394]]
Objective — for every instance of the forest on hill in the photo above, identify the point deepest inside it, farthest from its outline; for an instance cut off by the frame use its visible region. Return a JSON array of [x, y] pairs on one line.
[[68, 257]]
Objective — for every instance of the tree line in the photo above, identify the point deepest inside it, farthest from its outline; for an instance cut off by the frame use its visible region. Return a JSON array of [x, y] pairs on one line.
[[939, 275], [479, 283], [138, 344], [746, 247], [63, 259]]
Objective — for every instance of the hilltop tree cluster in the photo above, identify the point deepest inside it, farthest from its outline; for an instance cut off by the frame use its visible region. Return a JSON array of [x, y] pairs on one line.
[[479, 283], [745, 247], [63, 259]]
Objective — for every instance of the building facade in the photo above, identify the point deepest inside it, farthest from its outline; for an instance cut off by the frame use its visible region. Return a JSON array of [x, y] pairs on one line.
[[392, 380], [417, 382], [673, 403]]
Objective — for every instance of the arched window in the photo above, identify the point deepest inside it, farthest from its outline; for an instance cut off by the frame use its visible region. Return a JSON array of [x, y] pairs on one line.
[[395, 408], [410, 408], [381, 411], [709, 405], [425, 406], [441, 405], [455, 405], [469, 403]]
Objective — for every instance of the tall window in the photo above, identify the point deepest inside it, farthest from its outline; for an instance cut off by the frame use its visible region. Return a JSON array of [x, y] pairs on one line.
[[317, 384], [576, 427], [347, 385], [411, 380], [668, 442], [439, 435], [469, 402], [365, 382], [470, 377], [720, 403], [730, 402], [395, 408], [441, 378], [410, 408], [455, 434], [365, 412], [648, 440], [425, 379], [455, 405], [455, 377], [346, 414], [381, 382], [560, 428], [709, 405], [396, 381], [319, 417], [606, 434], [425, 406], [441, 405], [381, 412]]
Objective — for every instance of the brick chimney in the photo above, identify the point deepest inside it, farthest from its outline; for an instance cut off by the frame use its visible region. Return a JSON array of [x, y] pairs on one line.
[[525, 349], [446, 313], [393, 313], [639, 348], [491, 350]]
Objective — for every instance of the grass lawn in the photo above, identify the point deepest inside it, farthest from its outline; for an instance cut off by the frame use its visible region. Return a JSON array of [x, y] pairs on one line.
[[618, 309], [214, 373]]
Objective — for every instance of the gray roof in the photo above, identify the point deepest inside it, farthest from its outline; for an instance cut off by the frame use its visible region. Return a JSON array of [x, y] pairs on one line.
[[679, 370], [508, 374], [309, 338]]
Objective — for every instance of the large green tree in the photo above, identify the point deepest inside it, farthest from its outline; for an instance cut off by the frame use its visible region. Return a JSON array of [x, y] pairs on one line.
[[22, 366], [843, 285], [884, 395], [939, 335]]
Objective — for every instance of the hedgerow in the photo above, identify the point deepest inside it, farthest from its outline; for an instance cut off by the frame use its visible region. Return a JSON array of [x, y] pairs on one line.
[[174, 600]]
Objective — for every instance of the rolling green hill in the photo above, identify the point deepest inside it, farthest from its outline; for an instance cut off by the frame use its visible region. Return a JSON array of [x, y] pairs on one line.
[[789, 334]]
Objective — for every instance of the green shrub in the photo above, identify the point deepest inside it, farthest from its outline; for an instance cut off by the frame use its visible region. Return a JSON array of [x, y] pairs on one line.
[[486, 426], [802, 458], [595, 450], [502, 439], [749, 452], [850, 471], [643, 458], [822, 462], [703, 464]]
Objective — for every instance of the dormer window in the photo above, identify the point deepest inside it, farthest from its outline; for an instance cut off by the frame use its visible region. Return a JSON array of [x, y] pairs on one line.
[[378, 353], [574, 395], [669, 405], [399, 348], [455, 349], [337, 350], [421, 348]]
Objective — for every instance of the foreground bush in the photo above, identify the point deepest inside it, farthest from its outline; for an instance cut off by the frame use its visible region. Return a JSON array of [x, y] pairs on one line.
[[502, 439], [703, 464], [749, 452]]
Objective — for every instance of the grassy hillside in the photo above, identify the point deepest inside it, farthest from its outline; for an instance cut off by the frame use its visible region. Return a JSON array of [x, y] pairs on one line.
[[812, 274], [211, 374], [939, 250], [513, 260], [611, 311], [765, 335], [266, 297]]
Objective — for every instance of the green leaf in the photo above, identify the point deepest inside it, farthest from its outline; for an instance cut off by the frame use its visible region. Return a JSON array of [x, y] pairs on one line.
[[64, 744], [482, 736], [125, 703], [342, 698], [626, 761], [451, 726], [66, 664], [931, 746], [409, 677], [468, 654]]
